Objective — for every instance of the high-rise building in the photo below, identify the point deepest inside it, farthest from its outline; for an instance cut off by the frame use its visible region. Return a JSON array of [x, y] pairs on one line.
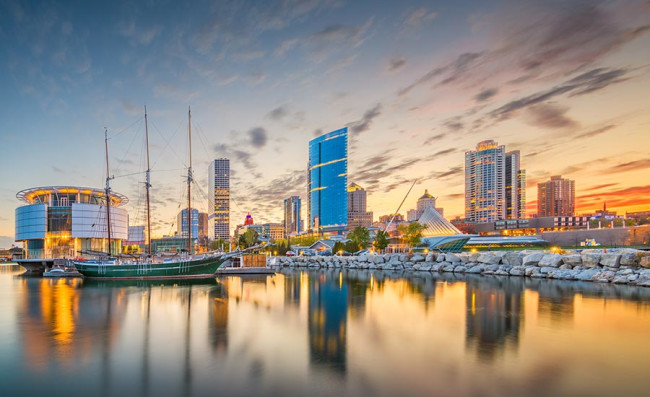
[[219, 199], [292, 219], [357, 213], [327, 182], [181, 223], [424, 202], [203, 224], [515, 187], [488, 171], [556, 197]]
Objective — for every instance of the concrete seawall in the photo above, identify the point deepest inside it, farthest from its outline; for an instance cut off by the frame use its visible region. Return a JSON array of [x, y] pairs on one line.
[[618, 266]]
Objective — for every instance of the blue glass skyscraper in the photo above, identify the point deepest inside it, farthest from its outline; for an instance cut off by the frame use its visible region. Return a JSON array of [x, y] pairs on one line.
[[328, 181]]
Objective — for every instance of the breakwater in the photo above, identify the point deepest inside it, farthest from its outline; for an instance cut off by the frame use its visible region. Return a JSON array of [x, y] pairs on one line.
[[618, 266]]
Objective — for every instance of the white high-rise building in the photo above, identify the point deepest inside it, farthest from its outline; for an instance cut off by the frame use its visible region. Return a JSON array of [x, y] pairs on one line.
[[219, 199], [494, 184]]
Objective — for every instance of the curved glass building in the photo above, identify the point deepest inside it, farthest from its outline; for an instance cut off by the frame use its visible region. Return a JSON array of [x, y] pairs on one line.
[[328, 182], [63, 221]]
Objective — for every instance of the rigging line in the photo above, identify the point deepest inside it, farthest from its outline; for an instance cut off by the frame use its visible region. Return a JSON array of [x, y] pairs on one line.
[[175, 169], [124, 129], [203, 139], [167, 143], [128, 151], [125, 175]]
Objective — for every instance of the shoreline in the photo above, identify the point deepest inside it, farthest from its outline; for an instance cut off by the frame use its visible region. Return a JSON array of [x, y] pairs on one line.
[[616, 266]]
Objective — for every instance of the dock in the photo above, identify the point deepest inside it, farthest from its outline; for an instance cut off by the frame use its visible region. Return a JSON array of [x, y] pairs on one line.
[[244, 270]]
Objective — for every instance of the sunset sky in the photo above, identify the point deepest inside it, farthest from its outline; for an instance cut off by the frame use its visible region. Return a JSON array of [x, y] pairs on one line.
[[417, 82]]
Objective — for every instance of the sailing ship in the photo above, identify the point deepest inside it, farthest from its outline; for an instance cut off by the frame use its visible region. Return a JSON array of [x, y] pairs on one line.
[[189, 266]]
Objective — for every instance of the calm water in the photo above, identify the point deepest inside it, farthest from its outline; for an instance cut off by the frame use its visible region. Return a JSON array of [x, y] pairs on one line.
[[323, 333]]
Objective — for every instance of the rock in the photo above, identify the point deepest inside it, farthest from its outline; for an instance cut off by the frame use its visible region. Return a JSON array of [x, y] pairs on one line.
[[573, 260], [529, 270], [533, 259], [490, 269], [513, 259], [448, 267], [551, 260], [610, 260], [564, 274], [586, 275], [422, 267], [546, 269], [363, 258], [620, 280], [372, 266], [473, 257], [630, 258], [518, 271], [645, 262], [417, 258], [437, 267], [464, 257], [590, 259], [603, 276], [403, 258], [431, 257], [475, 269], [460, 269], [566, 267], [453, 258], [489, 258]]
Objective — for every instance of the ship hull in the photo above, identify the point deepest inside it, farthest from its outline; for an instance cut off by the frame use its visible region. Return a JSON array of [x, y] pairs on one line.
[[193, 269]]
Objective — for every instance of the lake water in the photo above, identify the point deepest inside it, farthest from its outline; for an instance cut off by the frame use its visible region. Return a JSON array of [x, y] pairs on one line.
[[327, 332]]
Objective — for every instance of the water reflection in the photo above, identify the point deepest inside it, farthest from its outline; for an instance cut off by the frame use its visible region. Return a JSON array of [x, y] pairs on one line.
[[322, 332], [494, 314]]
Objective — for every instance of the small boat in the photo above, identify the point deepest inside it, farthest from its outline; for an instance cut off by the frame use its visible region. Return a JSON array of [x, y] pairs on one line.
[[59, 270]]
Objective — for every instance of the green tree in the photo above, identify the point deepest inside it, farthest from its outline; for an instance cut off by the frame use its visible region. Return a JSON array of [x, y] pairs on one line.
[[381, 240], [220, 244], [351, 246], [248, 238], [338, 246], [360, 237], [411, 234]]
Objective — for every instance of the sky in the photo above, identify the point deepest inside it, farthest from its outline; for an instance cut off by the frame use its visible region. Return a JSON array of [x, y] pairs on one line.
[[418, 83]]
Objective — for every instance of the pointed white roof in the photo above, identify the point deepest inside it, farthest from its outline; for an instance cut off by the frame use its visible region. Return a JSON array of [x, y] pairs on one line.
[[435, 225]]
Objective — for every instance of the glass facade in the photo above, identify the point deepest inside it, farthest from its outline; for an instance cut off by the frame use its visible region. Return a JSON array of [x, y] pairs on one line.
[[182, 223], [328, 180], [31, 222], [292, 220], [219, 199]]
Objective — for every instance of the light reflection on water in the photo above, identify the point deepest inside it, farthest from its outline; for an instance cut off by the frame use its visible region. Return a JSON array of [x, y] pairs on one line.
[[322, 333]]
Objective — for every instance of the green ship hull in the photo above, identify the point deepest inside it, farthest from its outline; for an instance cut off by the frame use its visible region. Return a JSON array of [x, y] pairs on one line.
[[189, 269]]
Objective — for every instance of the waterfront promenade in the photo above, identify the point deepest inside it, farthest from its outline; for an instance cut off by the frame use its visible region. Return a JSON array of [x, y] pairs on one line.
[[618, 266]]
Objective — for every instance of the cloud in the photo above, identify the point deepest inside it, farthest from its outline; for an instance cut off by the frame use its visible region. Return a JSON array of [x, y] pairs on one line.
[[240, 155], [548, 115], [444, 152], [598, 187], [318, 132], [597, 131], [395, 64], [57, 170], [258, 137], [631, 196], [454, 69], [454, 124], [433, 139], [629, 166], [292, 183], [486, 94], [278, 113], [415, 17], [451, 172], [364, 124], [587, 82]]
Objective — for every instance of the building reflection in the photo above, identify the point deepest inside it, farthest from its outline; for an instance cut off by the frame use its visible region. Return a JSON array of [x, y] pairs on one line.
[[494, 315], [218, 319], [554, 303], [60, 321], [328, 307]]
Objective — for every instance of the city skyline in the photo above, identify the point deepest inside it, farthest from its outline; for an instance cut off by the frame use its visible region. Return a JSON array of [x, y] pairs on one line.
[[417, 83]]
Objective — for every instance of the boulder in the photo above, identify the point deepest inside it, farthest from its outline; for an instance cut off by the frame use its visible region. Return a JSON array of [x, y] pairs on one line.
[[572, 259], [566, 267], [513, 259], [586, 275], [475, 269], [489, 258], [610, 260], [460, 269], [645, 262], [533, 259], [518, 271], [490, 269], [464, 257], [417, 258], [437, 267], [448, 267], [590, 259], [630, 258], [431, 257], [473, 257], [422, 267], [453, 258], [403, 257], [603, 276], [551, 260]]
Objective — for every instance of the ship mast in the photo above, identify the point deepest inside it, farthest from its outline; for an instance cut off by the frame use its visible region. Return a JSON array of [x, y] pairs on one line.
[[147, 183], [108, 193], [189, 185]]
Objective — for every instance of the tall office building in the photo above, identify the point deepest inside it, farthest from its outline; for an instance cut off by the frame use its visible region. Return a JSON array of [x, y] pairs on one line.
[[181, 223], [292, 219], [327, 209], [515, 187], [357, 214], [219, 199], [557, 197], [488, 171]]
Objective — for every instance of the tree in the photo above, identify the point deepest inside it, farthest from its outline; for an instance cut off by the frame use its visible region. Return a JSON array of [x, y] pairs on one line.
[[411, 233], [381, 240], [248, 238], [360, 238], [219, 244], [338, 246]]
